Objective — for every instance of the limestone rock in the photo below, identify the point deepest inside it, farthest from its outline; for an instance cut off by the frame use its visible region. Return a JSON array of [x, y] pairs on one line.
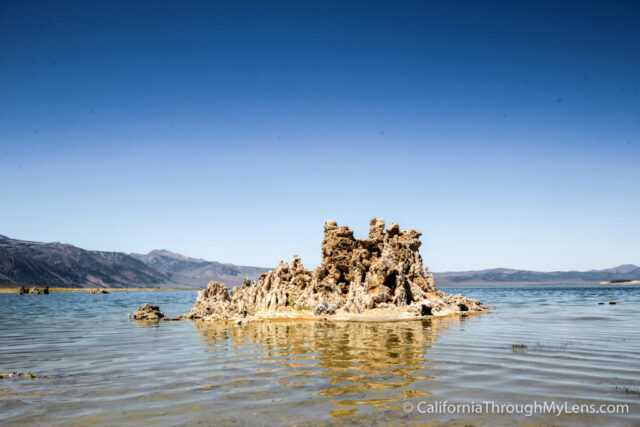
[[384, 271], [212, 301], [422, 308], [148, 312]]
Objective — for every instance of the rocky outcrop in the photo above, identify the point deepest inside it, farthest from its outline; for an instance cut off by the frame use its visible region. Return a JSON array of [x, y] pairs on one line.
[[148, 312], [213, 301], [383, 273]]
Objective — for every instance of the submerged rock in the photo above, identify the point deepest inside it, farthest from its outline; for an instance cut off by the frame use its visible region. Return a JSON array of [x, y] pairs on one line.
[[381, 273], [18, 374], [148, 312]]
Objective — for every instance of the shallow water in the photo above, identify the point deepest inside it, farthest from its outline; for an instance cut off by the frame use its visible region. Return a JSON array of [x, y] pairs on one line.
[[94, 366]]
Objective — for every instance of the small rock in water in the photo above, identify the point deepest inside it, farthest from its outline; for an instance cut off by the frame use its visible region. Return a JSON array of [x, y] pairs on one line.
[[98, 291], [324, 308], [45, 290], [23, 290], [148, 312], [519, 348], [601, 303], [34, 291], [612, 302]]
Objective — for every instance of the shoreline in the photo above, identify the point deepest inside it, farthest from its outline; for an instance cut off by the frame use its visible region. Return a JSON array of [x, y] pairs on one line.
[[9, 290], [16, 290], [531, 284]]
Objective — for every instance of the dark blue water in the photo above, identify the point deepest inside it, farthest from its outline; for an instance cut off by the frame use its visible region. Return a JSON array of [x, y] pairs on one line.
[[94, 366]]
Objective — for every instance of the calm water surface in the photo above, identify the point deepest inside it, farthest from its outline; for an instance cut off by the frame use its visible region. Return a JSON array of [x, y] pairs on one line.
[[96, 367]]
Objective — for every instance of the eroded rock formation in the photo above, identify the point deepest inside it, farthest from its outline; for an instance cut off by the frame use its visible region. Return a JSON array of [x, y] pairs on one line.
[[383, 273]]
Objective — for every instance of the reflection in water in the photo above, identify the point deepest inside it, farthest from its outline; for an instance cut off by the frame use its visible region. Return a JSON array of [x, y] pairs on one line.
[[374, 364]]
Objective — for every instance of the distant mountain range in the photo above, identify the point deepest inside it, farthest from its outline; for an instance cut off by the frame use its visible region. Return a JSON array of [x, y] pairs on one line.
[[62, 265], [196, 272], [504, 276], [58, 264]]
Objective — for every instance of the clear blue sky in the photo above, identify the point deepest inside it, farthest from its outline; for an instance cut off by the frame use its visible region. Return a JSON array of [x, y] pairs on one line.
[[507, 132]]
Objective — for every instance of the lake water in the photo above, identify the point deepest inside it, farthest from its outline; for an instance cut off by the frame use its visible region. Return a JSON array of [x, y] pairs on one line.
[[93, 366]]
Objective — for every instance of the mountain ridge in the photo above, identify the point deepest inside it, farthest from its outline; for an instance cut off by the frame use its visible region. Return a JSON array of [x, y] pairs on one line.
[[55, 264], [197, 271], [621, 272], [65, 265], [24, 262]]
